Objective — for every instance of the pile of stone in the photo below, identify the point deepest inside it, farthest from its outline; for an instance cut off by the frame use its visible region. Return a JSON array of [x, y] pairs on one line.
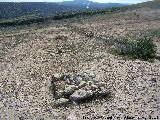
[[77, 88]]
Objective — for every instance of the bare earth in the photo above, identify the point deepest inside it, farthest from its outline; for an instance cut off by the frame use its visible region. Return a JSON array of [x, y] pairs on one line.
[[30, 56]]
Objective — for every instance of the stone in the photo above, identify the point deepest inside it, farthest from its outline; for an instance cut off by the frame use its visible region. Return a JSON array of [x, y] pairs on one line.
[[69, 89], [103, 92], [82, 84], [71, 78], [72, 116], [60, 93], [86, 87], [78, 88], [65, 77], [57, 75], [80, 95], [78, 79], [60, 85], [95, 80], [92, 75], [85, 74], [89, 83], [100, 84], [67, 81], [62, 101], [94, 87], [55, 78]]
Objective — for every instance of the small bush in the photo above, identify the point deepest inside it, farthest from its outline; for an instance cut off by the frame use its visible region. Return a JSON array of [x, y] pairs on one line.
[[142, 48]]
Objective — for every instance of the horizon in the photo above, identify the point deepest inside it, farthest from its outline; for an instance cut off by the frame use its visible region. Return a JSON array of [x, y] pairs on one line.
[[99, 1]]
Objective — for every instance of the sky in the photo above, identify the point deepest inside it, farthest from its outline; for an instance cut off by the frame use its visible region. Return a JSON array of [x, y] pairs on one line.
[[101, 1]]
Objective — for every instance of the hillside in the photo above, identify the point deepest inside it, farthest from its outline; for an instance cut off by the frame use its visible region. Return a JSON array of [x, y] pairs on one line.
[[86, 4], [155, 4], [10, 10], [40, 62]]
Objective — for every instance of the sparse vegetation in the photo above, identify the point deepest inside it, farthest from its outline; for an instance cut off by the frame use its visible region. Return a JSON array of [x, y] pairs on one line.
[[154, 33], [142, 48]]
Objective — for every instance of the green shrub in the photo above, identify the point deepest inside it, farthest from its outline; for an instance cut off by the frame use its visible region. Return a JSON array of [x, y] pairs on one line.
[[142, 48], [145, 48]]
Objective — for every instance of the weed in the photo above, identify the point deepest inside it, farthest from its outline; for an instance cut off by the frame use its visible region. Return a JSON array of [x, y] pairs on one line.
[[142, 48]]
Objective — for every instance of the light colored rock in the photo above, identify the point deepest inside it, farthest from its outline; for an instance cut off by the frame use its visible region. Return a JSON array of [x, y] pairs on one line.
[[60, 93], [103, 92], [57, 75], [82, 84], [88, 79], [62, 101], [78, 79], [92, 75], [65, 77], [87, 88], [80, 95], [94, 87], [72, 116], [69, 89], [103, 84], [67, 81], [85, 74], [95, 80], [71, 78], [1, 105]]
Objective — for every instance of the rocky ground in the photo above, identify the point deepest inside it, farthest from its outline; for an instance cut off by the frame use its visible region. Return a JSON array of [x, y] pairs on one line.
[[31, 56]]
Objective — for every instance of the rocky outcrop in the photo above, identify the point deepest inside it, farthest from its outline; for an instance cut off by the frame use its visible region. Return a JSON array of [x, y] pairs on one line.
[[77, 88]]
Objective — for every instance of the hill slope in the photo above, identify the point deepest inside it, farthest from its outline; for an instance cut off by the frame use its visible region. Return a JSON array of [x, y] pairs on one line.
[[10, 10], [83, 4], [14, 10], [150, 4]]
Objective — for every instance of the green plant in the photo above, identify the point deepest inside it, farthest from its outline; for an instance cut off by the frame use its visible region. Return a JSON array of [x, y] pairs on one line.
[[142, 48], [145, 48], [154, 33]]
